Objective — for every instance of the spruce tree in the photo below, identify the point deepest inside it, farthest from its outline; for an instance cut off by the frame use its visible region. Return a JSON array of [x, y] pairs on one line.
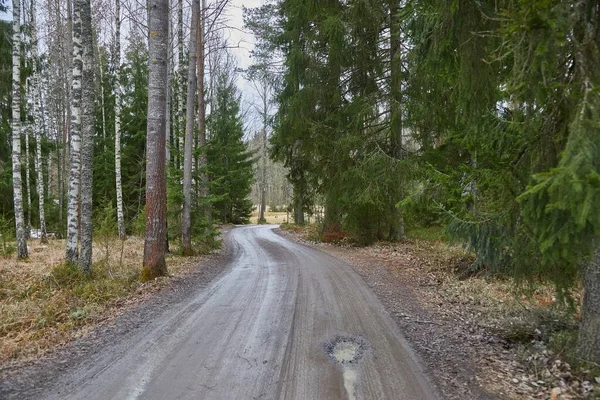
[[229, 160]]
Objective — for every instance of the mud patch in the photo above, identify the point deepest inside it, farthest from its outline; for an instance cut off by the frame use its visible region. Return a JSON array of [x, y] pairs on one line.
[[346, 350]]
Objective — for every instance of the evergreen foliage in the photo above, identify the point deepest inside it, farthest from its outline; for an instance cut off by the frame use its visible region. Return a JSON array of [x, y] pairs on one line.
[[229, 160]]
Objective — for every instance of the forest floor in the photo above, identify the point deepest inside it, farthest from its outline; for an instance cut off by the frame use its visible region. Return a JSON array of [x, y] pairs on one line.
[[45, 304], [479, 336]]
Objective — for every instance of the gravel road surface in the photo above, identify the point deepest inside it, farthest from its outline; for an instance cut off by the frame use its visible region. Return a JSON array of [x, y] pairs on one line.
[[284, 321]]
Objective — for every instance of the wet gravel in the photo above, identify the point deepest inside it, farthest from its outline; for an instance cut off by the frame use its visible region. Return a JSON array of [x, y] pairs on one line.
[[28, 381]]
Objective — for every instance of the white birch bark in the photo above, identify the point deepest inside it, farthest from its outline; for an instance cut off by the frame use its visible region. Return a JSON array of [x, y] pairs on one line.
[[72, 251], [16, 134], [28, 128], [186, 223], [39, 124], [118, 178], [87, 136]]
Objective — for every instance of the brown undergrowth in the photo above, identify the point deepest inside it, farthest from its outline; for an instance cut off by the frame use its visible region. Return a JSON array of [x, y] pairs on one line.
[[45, 303], [482, 335]]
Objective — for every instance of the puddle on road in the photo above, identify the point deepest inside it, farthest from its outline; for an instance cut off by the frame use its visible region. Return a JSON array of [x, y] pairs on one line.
[[347, 351]]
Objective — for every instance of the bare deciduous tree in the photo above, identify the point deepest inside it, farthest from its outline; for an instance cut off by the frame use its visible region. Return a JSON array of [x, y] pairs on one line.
[[186, 223]]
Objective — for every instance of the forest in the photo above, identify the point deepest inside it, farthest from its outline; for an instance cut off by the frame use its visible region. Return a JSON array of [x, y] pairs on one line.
[[372, 118]]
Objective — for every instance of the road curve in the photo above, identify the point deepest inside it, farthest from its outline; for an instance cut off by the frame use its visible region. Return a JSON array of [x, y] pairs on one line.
[[284, 322]]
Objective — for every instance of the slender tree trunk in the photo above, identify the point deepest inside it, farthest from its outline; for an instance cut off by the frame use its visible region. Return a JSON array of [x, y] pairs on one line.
[[397, 224], [28, 128], [39, 125], [156, 187], [589, 330], [186, 222], [40, 173], [102, 97], [16, 134], [72, 252], [118, 178], [263, 191], [169, 96], [182, 82], [87, 137], [202, 161]]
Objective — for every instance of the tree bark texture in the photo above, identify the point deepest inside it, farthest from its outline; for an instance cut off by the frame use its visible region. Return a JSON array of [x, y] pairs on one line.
[[72, 251], [118, 178], [16, 134], [202, 161], [186, 223], [589, 330], [182, 77], [397, 224], [39, 125], [156, 186], [87, 136], [28, 128]]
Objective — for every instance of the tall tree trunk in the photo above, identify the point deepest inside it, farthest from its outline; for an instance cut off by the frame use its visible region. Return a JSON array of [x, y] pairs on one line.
[[87, 136], [72, 251], [263, 184], [202, 161], [186, 222], [182, 82], [28, 128], [397, 220], [156, 186], [16, 134], [169, 97], [39, 124], [102, 97], [39, 169], [589, 331], [118, 179]]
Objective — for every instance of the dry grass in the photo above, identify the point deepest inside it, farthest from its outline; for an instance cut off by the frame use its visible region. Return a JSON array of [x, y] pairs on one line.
[[272, 217], [44, 303]]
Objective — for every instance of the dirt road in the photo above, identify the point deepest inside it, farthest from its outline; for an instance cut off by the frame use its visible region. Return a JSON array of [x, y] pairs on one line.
[[283, 322]]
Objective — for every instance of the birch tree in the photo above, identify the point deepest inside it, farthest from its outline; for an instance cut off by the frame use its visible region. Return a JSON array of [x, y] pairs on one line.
[[156, 186], [16, 134], [72, 252], [87, 135], [28, 127], [186, 225], [118, 178], [39, 124]]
